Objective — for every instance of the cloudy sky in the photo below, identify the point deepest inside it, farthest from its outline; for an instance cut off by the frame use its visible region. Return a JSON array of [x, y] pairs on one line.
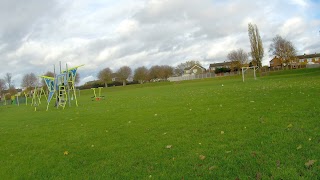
[[36, 34]]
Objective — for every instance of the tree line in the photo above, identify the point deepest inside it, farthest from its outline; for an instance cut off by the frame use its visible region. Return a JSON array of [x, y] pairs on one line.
[[106, 77], [141, 74]]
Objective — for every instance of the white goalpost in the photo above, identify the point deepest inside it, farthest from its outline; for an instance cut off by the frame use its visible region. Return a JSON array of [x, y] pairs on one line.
[[244, 69]]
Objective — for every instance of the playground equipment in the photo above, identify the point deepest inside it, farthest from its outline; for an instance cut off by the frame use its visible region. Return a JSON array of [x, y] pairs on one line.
[[8, 99], [22, 98], [42, 92], [61, 85], [36, 98], [99, 97]]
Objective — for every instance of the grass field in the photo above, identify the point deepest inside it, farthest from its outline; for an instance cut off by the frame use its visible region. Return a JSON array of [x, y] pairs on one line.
[[218, 128]]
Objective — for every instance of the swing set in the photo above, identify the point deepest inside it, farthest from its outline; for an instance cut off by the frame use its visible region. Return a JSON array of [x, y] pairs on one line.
[[95, 97]]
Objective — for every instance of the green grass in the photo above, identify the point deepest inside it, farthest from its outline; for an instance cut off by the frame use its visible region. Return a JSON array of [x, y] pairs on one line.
[[271, 129]]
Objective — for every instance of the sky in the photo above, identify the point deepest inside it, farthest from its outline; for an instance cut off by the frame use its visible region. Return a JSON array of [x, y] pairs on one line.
[[35, 35]]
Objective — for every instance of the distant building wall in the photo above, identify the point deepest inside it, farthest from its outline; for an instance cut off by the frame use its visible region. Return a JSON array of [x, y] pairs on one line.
[[313, 65]]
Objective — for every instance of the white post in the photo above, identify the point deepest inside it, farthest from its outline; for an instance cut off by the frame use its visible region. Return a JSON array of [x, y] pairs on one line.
[[18, 101], [242, 75], [60, 67], [67, 85], [254, 72], [55, 86]]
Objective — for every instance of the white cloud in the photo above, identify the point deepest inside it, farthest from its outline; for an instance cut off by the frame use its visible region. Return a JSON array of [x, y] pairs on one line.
[[300, 3], [108, 53], [127, 27], [86, 79], [293, 26], [223, 46]]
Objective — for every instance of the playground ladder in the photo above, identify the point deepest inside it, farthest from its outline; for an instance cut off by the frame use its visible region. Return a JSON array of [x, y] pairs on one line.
[[62, 96]]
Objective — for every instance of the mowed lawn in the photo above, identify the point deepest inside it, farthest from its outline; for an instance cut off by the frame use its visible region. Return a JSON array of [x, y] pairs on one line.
[[220, 128]]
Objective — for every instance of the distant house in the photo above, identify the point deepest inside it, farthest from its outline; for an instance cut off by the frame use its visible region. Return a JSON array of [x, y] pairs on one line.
[[309, 58], [275, 62], [299, 60], [115, 78], [195, 69], [215, 66]]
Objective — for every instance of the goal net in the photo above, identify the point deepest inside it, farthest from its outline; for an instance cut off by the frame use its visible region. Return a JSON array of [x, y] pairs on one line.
[[249, 72]]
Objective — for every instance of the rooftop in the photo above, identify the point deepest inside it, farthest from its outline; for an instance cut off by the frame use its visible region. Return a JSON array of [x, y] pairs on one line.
[[308, 56], [220, 64]]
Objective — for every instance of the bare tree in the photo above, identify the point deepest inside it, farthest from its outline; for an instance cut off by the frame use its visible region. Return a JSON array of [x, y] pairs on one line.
[[123, 73], [283, 49], [140, 74], [257, 51], [2, 85], [8, 79], [167, 71], [238, 58], [154, 72], [160, 72], [12, 90], [180, 68], [29, 80], [105, 76]]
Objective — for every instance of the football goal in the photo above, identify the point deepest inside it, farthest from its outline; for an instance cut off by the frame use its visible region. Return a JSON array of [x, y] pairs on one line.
[[253, 70]]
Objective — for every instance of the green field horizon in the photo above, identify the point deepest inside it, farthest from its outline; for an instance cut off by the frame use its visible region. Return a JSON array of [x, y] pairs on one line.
[[217, 128]]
